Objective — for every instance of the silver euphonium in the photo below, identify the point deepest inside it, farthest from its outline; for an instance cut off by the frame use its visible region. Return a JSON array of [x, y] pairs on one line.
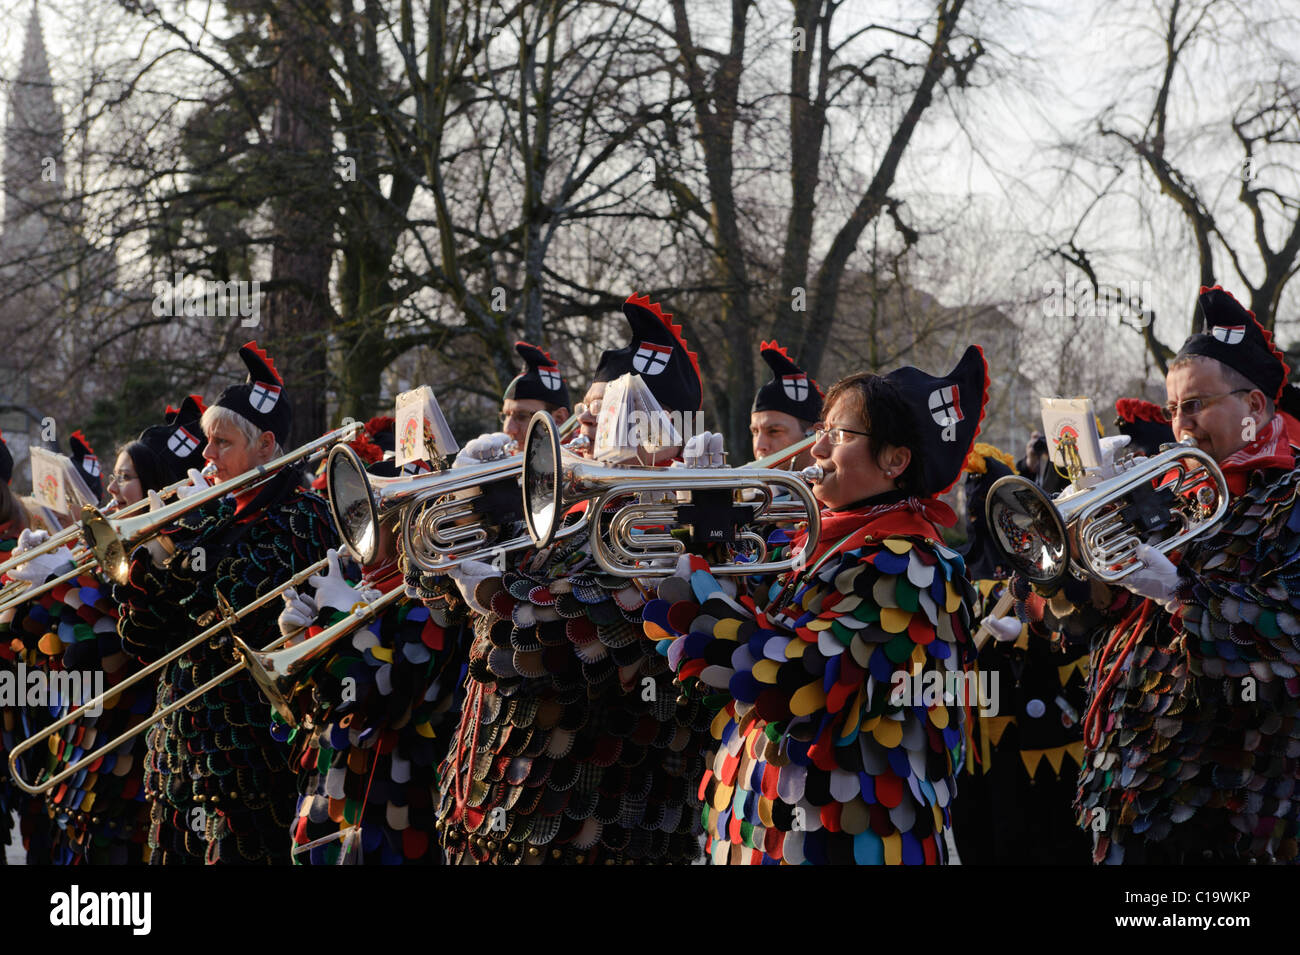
[[634, 539], [1164, 501]]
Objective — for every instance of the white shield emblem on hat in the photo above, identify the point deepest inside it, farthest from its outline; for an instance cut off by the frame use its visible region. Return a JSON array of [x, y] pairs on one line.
[[90, 464], [945, 406], [1229, 334], [550, 376], [650, 359], [263, 396], [182, 443], [795, 386]]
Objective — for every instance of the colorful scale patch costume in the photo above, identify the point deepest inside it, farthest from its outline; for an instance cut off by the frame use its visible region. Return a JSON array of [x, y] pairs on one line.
[[1197, 752], [220, 785], [817, 763], [99, 815], [573, 746], [380, 723]]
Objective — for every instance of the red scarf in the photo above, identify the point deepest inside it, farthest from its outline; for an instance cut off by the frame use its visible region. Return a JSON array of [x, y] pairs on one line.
[[845, 530], [1270, 450]]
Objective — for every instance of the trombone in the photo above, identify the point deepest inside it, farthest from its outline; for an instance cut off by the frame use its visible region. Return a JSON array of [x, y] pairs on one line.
[[112, 540], [20, 591], [553, 484], [95, 704], [73, 531]]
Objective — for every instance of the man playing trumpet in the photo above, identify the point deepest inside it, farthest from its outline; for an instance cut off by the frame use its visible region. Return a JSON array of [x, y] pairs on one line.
[[1190, 732], [219, 785]]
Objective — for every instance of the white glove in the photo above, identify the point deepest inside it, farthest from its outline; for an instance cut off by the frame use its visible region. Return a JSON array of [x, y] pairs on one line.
[[332, 589], [197, 483], [1004, 629], [43, 566], [1157, 580], [299, 612], [29, 539], [704, 450], [468, 575], [484, 449]]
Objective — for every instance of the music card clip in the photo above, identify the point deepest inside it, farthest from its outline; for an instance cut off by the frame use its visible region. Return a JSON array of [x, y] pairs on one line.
[[57, 485], [1072, 438], [421, 430]]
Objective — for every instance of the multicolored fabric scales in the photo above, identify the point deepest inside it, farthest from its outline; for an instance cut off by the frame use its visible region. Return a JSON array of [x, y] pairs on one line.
[[836, 744], [573, 746], [1197, 746], [382, 712], [219, 784]]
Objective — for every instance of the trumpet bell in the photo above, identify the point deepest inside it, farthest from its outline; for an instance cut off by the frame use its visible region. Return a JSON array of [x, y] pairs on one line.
[[1028, 530], [356, 515], [543, 493]]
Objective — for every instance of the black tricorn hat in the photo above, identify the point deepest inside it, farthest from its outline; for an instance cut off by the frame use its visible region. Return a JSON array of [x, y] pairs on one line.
[[947, 413], [541, 379], [86, 463], [658, 353], [1232, 336], [790, 390], [6, 462], [1144, 422], [177, 444], [262, 399]]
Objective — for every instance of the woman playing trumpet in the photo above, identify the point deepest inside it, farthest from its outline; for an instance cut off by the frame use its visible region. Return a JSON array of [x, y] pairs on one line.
[[834, 746]]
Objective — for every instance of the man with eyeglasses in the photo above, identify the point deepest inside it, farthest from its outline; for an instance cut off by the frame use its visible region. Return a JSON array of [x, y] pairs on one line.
[[1192, 732]]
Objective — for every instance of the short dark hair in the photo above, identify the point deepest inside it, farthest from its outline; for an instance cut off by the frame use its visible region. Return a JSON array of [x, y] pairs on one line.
[[886, 414]]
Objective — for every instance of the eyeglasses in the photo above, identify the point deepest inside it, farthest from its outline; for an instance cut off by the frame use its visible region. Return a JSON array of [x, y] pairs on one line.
[[520, 418], [836, 436], [121, 477], [593, 409], [1193, 406]]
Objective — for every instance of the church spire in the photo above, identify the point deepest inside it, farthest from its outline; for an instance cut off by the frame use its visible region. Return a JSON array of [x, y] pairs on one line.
[[33, 136]]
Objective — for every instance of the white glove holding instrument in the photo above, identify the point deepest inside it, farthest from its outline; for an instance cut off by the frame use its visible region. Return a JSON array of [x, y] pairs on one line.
[[484, 449], [1004, 629], [197, 483], [43, 566], [704, 450], [299, 612], [333, 589], [1158, 580], [468, 575]]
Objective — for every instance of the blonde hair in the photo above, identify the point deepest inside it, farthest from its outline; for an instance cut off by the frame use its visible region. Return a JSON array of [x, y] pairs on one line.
[[218, 415]]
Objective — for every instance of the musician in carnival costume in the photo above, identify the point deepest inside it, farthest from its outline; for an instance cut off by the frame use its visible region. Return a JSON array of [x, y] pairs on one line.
[[572, 747], [381, 706], [100, 816], [785, 408], [1025, 747], [827, 753], [22, 627], [16, 516], [1192, 722], [539, 387], [219, 785]]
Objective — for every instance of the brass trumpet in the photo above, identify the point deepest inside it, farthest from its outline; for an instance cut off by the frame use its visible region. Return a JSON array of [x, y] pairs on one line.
[[1096, 531], [553, 485], [97, 702]]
